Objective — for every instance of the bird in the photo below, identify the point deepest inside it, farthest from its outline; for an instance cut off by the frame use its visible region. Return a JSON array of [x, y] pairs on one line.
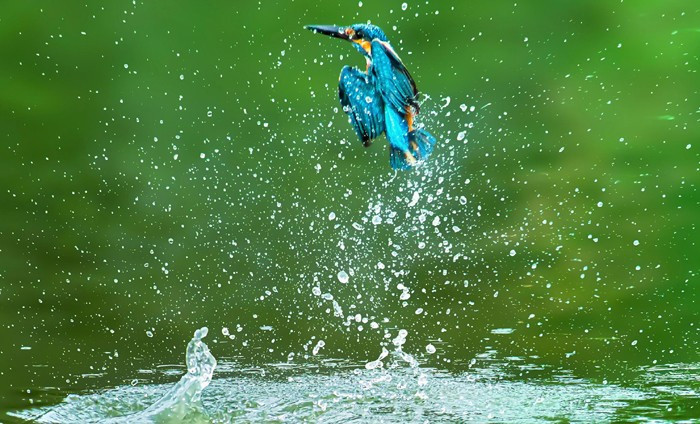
[[384, 98]]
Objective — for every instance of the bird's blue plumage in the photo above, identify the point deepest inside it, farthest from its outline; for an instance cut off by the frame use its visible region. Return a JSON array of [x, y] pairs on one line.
[[382, 100], [362, 102], [394, 81]]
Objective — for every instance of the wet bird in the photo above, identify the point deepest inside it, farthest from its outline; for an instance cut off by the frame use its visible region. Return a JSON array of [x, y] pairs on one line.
[[384, 98]]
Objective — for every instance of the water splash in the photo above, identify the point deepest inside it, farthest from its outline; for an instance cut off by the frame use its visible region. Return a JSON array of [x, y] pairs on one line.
[[414, 378], [180, 403], [494, 390], [185, 398]]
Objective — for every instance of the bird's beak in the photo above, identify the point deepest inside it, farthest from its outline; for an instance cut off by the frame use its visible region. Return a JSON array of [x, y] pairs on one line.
[[332, 30]]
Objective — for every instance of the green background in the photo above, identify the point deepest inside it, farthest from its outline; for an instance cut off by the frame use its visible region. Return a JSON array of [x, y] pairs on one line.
[[170, 165]]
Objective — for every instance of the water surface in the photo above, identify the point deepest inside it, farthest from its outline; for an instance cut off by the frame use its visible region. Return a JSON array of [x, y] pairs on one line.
[[392, 388]]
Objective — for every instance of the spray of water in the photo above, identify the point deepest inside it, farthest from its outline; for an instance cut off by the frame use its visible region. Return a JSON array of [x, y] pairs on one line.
[[181, 403], [183, 400]]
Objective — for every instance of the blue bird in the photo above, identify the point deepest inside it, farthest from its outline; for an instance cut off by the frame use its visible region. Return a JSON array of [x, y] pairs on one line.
[[384, 99]]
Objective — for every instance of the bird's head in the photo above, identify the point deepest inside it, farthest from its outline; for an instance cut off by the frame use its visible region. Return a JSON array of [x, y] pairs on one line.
[[361, 35]]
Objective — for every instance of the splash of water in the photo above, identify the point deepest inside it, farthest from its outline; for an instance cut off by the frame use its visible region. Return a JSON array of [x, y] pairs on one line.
[[387, 390], [180, 403], [184, 399]]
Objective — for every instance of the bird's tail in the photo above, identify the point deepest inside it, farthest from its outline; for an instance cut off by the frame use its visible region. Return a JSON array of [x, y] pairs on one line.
[[420, 146]]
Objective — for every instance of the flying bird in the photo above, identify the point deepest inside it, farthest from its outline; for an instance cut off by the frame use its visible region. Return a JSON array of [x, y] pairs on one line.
[[384, 98]]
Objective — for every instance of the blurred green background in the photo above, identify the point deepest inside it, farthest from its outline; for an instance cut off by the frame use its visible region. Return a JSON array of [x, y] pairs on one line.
[[171, 165]]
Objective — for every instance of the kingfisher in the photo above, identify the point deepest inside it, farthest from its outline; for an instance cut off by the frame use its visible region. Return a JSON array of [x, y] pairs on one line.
[[384, 98]]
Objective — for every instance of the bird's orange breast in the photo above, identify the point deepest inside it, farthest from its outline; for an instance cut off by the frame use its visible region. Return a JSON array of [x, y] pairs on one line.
[[365, 45], [409, 117]]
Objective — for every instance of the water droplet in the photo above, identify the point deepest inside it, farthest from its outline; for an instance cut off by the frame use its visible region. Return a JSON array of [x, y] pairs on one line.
[[318, 347], [502, 331], [414, 199]]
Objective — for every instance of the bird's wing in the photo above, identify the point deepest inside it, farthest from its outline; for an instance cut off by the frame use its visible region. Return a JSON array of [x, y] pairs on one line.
[[362, 102], [395, 83]]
